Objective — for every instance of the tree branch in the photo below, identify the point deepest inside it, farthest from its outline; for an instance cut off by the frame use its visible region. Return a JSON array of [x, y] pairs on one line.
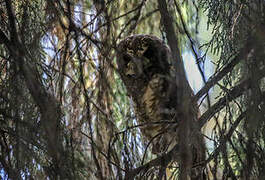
[[172, 39], [48, 105], [174, 155], [183, 96], [12, 20], [4, 40], [166, 159], [231, 95], [228, 68], [226, 137]]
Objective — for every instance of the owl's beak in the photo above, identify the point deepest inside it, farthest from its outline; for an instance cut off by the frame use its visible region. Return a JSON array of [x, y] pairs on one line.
[[130, 72]]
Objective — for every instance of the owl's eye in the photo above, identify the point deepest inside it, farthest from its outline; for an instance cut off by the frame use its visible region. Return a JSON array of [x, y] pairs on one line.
[[142, 48]]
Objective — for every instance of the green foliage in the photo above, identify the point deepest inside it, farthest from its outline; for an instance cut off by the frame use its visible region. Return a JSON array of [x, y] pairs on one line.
[[71, 48]]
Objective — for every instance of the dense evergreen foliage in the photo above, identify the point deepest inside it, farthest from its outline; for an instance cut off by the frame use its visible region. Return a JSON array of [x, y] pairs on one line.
[[65, 113]]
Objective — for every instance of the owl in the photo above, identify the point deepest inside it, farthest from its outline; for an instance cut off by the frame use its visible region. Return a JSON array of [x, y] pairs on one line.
[[144, 64], [145, 68]]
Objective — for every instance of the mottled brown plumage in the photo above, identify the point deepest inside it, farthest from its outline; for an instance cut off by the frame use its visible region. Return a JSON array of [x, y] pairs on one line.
[[144, 63]]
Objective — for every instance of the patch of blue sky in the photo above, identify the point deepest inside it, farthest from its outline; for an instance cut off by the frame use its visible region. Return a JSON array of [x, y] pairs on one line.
[[48, 45], [192, 72], [196, 82], [3, 174]]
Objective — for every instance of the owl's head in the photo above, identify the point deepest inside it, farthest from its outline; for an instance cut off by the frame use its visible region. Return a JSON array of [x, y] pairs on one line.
[[140, 57]]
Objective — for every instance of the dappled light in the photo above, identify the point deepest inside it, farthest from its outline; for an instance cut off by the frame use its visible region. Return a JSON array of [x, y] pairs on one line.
[[132, 89]]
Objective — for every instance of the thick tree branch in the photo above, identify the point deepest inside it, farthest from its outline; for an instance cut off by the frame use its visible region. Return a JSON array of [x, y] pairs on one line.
[[183, 96], [231, 95], [228, 68], [193, 49], [172, 39], [48, 105], [164, 159], [12, 20]]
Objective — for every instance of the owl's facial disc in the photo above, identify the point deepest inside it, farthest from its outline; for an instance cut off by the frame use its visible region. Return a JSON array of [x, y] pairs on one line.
[[134, 68]]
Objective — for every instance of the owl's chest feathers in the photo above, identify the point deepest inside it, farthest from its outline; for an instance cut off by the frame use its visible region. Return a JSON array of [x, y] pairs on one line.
[[152, 102]]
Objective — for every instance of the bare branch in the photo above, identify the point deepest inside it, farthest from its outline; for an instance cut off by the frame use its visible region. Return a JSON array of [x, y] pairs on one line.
[[228, 68], [231, 95], [164, 159]]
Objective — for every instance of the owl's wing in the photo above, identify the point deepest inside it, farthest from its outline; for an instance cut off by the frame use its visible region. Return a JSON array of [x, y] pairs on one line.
[[158, 115]]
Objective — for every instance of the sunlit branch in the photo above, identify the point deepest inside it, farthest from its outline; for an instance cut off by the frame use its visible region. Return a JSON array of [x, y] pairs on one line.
[[234, 93], [228, 68]]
